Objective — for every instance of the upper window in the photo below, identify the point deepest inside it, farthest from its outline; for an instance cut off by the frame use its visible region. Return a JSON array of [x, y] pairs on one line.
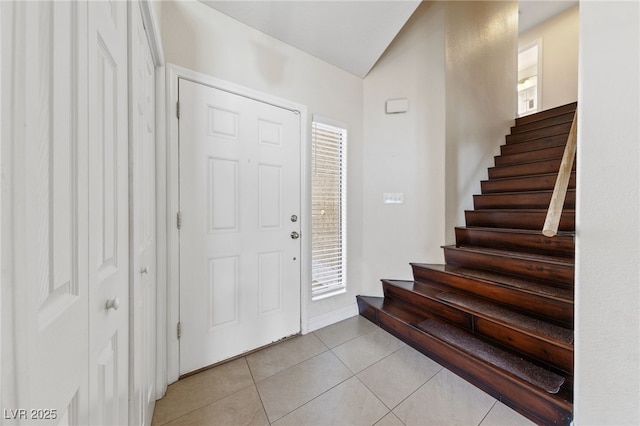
[[328, 208]]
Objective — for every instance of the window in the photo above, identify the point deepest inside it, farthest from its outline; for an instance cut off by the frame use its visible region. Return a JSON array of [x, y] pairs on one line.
[[528, 81], [328, 208]]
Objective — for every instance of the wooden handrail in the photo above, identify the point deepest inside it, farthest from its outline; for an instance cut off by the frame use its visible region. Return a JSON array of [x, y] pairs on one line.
[[554, 213]]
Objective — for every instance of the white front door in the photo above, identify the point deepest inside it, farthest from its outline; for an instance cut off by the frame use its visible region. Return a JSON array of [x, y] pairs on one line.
[[143, 223], [108, 213], [239, 245]]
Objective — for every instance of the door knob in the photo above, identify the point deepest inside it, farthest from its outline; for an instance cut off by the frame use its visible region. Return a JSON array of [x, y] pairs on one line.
[[295, 235], [113, 304], [144, 270]]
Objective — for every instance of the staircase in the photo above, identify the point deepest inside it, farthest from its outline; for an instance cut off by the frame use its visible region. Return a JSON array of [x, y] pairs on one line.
[[500, 312]]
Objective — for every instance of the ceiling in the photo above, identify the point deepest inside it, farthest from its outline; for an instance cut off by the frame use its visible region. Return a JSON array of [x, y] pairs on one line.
[[350, 34]]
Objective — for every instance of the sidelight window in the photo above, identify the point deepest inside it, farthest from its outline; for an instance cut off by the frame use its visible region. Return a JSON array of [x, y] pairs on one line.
[[328, 208]]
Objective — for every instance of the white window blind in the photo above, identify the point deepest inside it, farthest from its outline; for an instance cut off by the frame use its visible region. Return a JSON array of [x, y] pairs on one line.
[[328, 208]]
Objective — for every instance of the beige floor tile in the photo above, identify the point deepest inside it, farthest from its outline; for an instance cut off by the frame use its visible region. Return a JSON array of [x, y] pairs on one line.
[[349, 403], [366, 350], [201, 389], [397, 376], [446, 399], [343, 331], [501, 415], [390, 420], [240, 409], [289, 389], [275, 359]]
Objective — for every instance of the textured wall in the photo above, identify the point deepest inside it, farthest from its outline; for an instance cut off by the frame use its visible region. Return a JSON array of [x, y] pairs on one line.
[[607, 360], [481, 74]]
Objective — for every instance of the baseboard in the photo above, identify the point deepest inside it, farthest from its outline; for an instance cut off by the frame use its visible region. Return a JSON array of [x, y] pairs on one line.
[[320, 321]]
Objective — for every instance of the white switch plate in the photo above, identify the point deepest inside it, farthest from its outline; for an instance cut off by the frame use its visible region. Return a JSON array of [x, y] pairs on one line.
[[393, 197]]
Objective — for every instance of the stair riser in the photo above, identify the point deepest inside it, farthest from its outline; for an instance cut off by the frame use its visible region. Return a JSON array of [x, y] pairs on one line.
[[534, 145], [552, 153], [538, 133], [523, 200], [556, 356], [546, 114], [555, 274], [540, 124], [522, 184], [534, 403], [526, 169], [558, 312], [535, 347], [430, 307], [560, 245], [517, 220]]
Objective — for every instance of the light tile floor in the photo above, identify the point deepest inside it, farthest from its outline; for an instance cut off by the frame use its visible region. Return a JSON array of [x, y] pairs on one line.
[[350, 373]]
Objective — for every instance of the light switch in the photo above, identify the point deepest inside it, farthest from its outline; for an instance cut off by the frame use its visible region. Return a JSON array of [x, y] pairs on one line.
[[393, 197]]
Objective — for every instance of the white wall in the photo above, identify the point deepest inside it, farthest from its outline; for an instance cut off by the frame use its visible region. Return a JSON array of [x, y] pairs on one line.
[[481, 77], [202, 39], [607, 360], [405, 152], [456, 64], [559, 44]]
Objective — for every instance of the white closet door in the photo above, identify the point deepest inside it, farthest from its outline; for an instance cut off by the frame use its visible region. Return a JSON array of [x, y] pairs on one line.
[[44, 154], [108, 213], [143, 223]]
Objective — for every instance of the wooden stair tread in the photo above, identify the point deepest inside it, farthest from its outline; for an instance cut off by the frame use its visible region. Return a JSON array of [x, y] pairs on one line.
[[566, 117], [531, 373], [535, 144], [523, 183], [495, 278], [490, 311], [551, 112], [553, 129], [520, 199], [522, 322], [551, 153], [516, 254]]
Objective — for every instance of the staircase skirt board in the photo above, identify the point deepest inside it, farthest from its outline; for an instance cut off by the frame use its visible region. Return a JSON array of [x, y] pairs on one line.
[[500, 312], [531, 401]]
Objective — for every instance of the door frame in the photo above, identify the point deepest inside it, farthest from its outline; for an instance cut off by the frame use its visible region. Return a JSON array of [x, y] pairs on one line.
[[171, 315]]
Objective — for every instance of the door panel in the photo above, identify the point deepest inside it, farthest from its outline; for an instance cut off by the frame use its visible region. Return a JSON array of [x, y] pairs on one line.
[[47, 202], [108, 213], [142, 219], [239, 185]]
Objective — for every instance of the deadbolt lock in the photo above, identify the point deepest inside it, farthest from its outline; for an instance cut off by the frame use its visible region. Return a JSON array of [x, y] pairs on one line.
[[294, 218]]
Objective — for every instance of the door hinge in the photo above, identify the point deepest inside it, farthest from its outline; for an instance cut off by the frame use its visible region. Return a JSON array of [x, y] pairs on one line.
[[179, 330], [178, 110], [179, 220]]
